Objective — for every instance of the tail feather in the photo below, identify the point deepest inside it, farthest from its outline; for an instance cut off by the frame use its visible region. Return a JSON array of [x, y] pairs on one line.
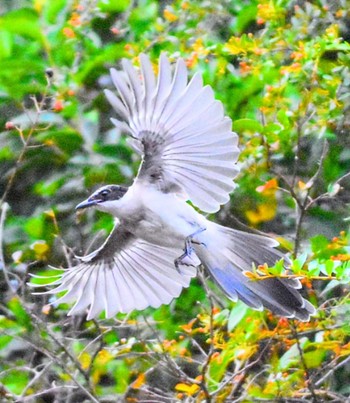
[[234, 254]]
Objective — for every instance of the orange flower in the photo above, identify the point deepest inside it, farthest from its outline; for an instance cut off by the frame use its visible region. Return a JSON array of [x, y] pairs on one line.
[[58, 105], [139, 381], [188, 327], [75, 20], [244, 68], [115, 31], [293, 68], [283, 322], [192, 61], [68, 32], [9, 125], [215, 310], [269, 187], [184, 5], [341, 257]]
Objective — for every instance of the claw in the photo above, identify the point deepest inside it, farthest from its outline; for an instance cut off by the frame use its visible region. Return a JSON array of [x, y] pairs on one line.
[[186, 258]]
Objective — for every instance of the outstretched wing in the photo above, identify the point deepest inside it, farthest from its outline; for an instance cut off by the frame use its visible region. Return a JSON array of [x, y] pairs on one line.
[[186, 141], [124, 274]]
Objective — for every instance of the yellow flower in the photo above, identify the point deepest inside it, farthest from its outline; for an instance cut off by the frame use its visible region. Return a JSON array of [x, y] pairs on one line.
[[190, 390], [170, 16]]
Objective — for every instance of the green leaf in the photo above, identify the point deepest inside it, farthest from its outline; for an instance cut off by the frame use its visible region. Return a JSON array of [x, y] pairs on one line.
[[237, 313], [121, 371], [314, 268], [249, 125], [95, 65], [329, 265], [21, 315], [6, 153], [117, 151], [68, 140], [318, 243], [16, 76], [5, 340], [221, 317], [6, 44], [50, 187], [343, 271], [313, 359], [278, 268], [217, 369], [35, 227], [272, 128], [53, 9], [15, 380], [298, 264], [283, 118], [292, 356], [23, 22], [141, 17], [113, 6], [245, 17]]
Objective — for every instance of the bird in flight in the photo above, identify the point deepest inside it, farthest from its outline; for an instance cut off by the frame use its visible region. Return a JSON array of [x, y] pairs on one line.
[[189, 153]]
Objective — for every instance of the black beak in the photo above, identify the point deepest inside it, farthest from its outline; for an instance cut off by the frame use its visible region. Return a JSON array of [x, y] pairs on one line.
[[87, 203]]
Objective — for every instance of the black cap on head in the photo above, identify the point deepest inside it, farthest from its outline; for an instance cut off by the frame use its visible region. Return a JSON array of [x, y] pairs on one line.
[[106, 193]]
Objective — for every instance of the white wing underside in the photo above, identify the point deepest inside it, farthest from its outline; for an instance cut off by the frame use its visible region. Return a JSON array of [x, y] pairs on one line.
[[180, 128], [136, 277]]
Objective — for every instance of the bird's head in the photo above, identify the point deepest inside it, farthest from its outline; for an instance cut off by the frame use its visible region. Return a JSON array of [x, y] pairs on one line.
[[105, 199]]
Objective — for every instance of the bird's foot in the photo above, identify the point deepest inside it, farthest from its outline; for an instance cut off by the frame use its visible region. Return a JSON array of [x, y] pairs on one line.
[[189, 257], [191, 239], [185, 259]]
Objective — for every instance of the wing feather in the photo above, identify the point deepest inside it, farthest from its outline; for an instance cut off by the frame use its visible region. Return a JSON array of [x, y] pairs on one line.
[[124, 274], [97, 303], [163, 86], [186, 140], [134, 82], [149, 89], [118, 106], [119, 81], [86, 294]]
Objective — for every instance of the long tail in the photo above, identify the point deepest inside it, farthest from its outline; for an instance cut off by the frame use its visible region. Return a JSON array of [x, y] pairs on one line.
[[230, 252]]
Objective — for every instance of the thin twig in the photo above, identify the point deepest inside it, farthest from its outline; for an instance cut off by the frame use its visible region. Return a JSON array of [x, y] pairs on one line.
[[38, 320], [44, 392], [98, 349], [171, 364], [4, 208], [309, 382], [37, 376], [55, 358], [331, 371], [211, 330]]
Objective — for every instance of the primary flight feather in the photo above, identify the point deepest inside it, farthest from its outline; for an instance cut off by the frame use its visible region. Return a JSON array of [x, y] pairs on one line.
[[189, 152]]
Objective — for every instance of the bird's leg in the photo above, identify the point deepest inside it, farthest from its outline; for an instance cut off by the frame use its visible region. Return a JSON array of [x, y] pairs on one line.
[[185, 258]]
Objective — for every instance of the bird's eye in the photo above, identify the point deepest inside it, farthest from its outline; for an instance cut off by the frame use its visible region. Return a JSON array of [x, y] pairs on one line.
[[104, 193]]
